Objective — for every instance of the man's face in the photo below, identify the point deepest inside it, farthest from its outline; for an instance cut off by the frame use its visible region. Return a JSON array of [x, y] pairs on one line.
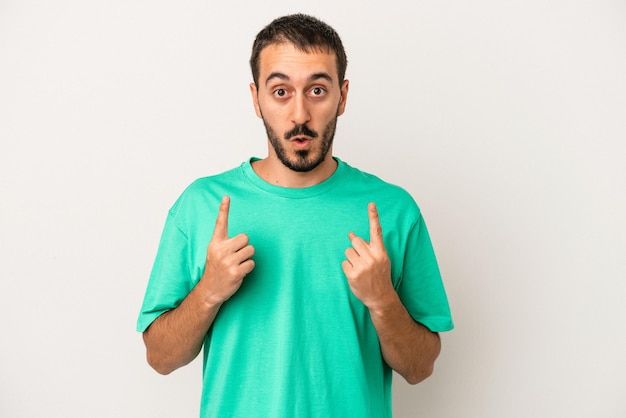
[[299, 99]]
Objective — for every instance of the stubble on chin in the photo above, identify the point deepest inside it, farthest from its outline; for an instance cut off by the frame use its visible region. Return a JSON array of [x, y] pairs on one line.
[[304, 160]]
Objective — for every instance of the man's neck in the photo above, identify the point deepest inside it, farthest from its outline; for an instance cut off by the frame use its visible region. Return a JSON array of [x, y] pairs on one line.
[[274, 172]]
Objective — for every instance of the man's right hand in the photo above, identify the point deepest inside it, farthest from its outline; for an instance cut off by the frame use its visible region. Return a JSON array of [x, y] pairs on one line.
[[228, 260]]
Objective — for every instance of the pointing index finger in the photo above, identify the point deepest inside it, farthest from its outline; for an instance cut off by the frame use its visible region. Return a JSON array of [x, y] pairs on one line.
[[376, 231], [221, 224]]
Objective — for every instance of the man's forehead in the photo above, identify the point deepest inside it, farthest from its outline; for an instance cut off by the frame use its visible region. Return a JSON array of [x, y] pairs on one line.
[[285, 57]]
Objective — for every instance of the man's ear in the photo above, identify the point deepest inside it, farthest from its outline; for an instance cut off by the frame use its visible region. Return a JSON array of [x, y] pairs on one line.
[[255, 99], [343, 97]]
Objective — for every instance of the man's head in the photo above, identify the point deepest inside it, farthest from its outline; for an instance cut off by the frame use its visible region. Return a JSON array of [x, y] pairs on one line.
[[298, 65]]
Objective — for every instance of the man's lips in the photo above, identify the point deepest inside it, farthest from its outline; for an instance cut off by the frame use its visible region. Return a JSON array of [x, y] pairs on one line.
[[301, 138], [301, 141], [300, 131]]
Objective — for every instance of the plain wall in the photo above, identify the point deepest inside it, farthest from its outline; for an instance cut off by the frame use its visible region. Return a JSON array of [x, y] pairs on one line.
[[506, 120]]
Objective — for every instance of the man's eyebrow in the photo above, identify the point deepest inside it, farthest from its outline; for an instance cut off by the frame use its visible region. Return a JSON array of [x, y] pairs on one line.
[[274, 75], [285, 77], [324, 76]]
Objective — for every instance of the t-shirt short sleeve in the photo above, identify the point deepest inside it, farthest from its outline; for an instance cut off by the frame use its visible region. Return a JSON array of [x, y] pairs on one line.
[[170, 280], [421, 288]]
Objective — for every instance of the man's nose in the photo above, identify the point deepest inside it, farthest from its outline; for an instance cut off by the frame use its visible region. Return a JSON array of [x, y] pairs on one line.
[[300, 110]]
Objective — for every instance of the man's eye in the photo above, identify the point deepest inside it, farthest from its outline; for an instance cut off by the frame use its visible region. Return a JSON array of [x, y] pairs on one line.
[[280, 92], [317, 91]]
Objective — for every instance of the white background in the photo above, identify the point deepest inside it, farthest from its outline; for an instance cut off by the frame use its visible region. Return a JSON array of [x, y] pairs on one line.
[[506, 120]]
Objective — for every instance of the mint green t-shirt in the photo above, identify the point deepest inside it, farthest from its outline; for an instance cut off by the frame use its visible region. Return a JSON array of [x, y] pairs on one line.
[[294, 341]]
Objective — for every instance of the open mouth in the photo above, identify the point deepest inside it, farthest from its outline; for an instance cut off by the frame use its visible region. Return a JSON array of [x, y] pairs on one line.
[[301, 140]]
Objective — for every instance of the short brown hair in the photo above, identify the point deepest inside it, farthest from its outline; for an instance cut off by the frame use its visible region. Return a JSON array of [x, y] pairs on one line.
[[306, 33]]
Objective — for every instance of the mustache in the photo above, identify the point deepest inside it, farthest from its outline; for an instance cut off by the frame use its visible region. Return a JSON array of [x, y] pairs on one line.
[[301, 130]]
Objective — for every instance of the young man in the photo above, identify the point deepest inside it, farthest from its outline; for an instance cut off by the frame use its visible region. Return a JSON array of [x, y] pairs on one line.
[[304, 292]]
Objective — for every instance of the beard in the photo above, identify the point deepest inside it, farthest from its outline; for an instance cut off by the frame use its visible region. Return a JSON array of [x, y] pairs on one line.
[[303, 160]]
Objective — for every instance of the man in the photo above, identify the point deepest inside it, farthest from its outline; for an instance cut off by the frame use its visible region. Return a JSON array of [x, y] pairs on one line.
[[304, 293]]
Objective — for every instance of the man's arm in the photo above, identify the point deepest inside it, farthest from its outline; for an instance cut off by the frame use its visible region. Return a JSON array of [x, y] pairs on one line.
[[407, 346], [175, 338]]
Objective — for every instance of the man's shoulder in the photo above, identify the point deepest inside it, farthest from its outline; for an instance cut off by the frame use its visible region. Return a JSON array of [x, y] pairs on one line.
[[206, 191], [221, 178], [391, 199], [374, 183]]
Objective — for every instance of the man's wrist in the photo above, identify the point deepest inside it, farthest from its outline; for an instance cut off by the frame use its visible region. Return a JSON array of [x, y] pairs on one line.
[[385, 304], [207, 300]]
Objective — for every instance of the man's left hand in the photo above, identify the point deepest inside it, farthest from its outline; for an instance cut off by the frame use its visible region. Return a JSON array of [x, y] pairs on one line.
[[367, 266]]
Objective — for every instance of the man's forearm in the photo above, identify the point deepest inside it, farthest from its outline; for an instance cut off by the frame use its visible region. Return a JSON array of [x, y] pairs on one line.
[[407, 346], [175, 338]]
